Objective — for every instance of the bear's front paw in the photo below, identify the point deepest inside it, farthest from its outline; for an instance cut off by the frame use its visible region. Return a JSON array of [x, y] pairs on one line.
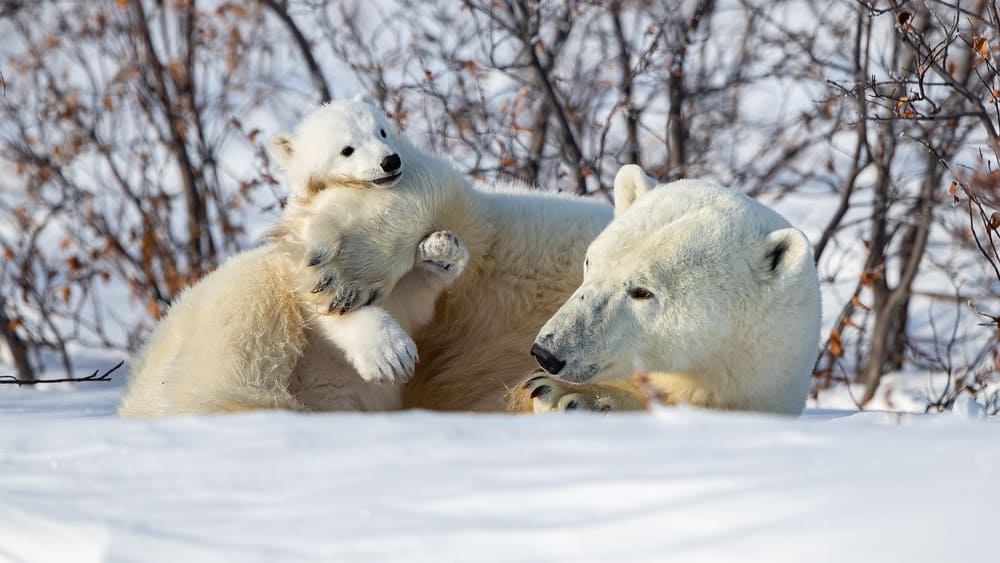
[[444, 252], [331, 292], [392, 358], [551, 395]]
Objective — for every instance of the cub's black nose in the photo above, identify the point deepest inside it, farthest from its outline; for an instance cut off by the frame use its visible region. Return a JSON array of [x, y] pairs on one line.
[[549, 362], [391, 163]]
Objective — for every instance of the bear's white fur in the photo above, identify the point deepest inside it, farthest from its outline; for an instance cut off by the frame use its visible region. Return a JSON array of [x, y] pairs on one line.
[[709, 292], [524, 247], [256, 333]]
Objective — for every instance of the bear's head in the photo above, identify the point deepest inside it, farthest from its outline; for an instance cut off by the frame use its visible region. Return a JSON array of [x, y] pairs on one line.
[[345, 142], [688, 278]]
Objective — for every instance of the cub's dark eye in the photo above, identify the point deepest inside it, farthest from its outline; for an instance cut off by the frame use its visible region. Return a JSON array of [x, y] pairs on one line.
[[382, 132], [348, 151], [640, 293]]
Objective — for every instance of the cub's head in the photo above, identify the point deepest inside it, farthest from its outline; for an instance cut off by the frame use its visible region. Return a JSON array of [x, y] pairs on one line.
[[689, 277], [345, 142]]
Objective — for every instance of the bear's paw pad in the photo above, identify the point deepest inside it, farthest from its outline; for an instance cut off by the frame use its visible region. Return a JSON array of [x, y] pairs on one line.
[[552, 395], [444, 251]]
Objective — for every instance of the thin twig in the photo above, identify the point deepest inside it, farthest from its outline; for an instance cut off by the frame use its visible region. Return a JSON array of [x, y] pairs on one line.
[[106, 376]]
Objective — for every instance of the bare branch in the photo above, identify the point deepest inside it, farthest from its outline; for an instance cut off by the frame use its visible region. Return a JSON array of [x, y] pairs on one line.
[[93, 377]]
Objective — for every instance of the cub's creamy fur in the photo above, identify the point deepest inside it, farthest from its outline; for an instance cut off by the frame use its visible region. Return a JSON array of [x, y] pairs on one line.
[[711, 293], [257, 333]]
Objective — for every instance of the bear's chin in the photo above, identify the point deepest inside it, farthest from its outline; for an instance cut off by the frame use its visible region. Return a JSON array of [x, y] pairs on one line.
[[582, 374], [388, 181]]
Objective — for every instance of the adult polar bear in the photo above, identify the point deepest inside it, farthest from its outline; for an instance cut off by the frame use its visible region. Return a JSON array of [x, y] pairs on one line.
[[525, 249], [711, 292]]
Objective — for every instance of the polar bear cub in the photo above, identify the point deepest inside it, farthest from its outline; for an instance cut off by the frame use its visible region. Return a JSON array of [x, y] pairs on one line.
[[712, 294], [259, 332]]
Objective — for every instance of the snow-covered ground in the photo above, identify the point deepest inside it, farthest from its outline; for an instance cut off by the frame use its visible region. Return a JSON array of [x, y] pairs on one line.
[[78, 484]]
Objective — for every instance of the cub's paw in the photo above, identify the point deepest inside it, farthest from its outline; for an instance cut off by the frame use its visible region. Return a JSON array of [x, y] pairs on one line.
[[331, 291], [330, 260], [551, 395], [392, 358], [443, 251]]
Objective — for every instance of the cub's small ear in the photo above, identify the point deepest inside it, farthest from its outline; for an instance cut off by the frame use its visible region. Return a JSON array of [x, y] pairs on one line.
[[782, 251], [366, 98], [630, 184], [280, 147]]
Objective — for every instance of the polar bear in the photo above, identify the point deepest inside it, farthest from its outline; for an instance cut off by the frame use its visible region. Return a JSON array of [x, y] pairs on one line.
[[252, 334], [524, 246], [712, 294]]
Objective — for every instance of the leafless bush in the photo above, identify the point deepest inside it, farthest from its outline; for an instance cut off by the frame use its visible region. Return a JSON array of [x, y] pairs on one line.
[[117, 119], [922, 102]]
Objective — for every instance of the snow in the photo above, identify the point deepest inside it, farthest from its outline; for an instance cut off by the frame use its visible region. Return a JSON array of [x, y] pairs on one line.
[[78, 484]]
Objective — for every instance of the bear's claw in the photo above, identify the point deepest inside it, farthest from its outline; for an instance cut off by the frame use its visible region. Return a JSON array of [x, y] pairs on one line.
[[540, 390], [348, 298], [322, 284]]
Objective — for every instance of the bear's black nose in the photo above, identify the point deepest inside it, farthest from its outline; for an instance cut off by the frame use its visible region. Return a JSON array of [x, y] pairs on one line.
[[547, 360], [391, 163]]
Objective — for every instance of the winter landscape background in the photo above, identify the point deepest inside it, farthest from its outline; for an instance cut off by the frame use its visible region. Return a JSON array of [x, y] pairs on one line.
[[133, 149]]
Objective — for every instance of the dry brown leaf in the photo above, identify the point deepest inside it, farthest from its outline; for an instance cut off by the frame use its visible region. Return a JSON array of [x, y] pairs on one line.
[[981, 45], [836, 348], [153, 309]]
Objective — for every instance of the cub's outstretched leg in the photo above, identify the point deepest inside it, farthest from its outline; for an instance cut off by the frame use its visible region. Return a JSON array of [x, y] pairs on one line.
[[375, 339]]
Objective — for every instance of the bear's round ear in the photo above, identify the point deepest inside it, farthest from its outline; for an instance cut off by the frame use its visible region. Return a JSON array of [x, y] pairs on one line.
[[782, 251], [366, 98], [280, 147], [630, 184]]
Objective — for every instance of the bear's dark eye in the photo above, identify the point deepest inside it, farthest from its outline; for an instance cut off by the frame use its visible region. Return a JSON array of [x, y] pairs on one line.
[[382, 131], [640, 293], [348, 151]]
